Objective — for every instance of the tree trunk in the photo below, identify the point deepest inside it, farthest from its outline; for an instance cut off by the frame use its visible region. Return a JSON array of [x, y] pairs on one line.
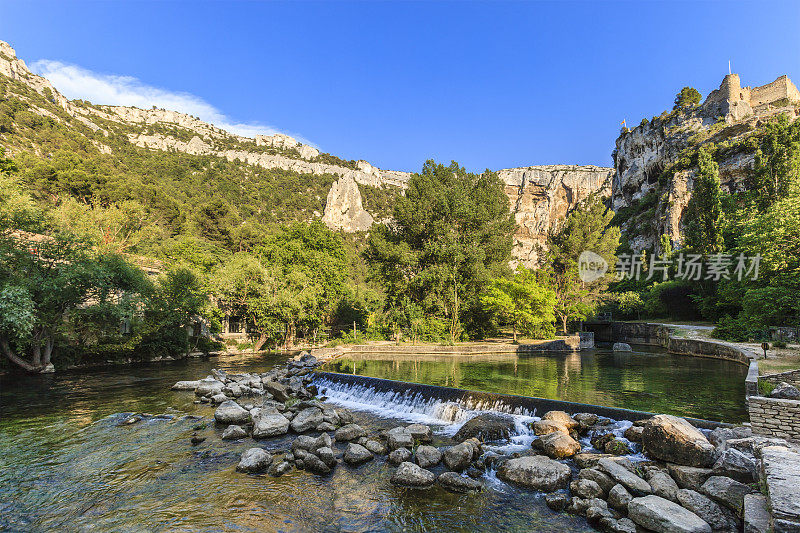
[[515, 333], [564, 324], [262, 340], [19, 361]]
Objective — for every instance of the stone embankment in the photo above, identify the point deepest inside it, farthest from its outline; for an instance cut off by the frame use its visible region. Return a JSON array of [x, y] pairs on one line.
[[661, 474]]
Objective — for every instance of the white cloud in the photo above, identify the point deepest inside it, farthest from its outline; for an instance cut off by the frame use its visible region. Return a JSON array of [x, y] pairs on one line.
[[109, 89]]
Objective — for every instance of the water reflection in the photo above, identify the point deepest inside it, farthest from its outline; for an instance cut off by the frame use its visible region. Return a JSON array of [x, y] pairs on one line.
[[646, 380]]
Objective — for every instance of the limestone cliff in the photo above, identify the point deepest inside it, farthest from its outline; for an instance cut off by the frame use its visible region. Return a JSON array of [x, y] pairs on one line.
[[343, 209], [652, 181], [540, 196]]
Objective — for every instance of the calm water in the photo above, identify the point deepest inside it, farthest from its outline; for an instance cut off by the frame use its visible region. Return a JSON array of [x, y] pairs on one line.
[[67, 465], [647, 379]]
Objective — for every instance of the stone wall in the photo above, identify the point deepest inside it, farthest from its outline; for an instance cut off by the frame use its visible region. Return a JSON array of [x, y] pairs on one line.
[[774, 417], [791, 377], [712, 349]]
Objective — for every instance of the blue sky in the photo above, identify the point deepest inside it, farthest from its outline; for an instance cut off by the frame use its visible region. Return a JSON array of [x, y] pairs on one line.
[[488, 84]]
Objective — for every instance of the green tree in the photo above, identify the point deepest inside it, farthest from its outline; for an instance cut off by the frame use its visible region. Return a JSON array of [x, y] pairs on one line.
[[586, 228], [450, 234], [704, 217], [776, 173], [687, 97], [522, 302]]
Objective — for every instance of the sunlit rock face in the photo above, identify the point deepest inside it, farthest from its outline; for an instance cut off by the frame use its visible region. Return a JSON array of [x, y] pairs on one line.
[[343, 209], [540, 196]]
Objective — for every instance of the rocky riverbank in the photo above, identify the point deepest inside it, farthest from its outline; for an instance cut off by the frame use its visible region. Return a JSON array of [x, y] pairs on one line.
[[660, 474]]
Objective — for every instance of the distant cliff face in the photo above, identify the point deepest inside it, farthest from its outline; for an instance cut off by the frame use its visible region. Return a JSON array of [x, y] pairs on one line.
[[343, 209], [652, 185], [541, 196]]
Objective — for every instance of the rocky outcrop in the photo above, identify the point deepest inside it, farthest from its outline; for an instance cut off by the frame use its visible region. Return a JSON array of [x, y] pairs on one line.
[[344, 210], [540, 196], [642, 155]]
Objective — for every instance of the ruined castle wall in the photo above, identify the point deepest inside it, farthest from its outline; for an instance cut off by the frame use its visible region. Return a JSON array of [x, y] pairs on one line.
[[780, 89]]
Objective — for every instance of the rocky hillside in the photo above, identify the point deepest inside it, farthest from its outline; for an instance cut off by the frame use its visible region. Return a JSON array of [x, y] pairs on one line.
[[653, 174], [35, 118]]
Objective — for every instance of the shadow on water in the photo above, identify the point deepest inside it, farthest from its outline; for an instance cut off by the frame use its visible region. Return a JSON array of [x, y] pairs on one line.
[[68, 463]]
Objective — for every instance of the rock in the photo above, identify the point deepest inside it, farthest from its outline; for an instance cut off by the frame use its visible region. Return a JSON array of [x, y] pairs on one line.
[[634, 433], [535, 472], [350, 432], [311, 444], [278, 390], [617, 447], [267, 425], [581, 506], [314, 464], [230, 412], [254, 460], [458, 457], [780, 466], [357, 454], [557, 501], [344, 209], [619, 498], [412, 475], [785, 392], [399, 438], [561, 418], [307, 419], [545, 427], [279, 469], [233, 432], [326, 426], [586, 488], [726, 491], [209, 387], [663, 485], [736, 465], [689, 477], [457, 483], [663, 516], [756, 514], [601, 478], [428, 456], [559, 445], [719, 518], [400, 455], [375, 446], [600, 440], [186, 385], [621, 347], [420, 432], [594, 514], [636, 485], [326, 455], [589, 460], [675, 440], [195, 440], [623, 525], [586, 420], [487, 427], [720, 435]]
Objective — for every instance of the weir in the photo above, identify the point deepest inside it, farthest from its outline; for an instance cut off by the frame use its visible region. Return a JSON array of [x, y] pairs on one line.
[[420, 401]]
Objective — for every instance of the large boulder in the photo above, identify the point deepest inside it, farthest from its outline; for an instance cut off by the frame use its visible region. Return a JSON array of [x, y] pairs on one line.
[[562, 418], [254, 460], [357, 454], [350, 432], [278, 390], [558, 445], [673, 439], [428, 456], [737, 465], [233, 432], [663, 516], [486, 427], [412, 475], [619, 498], [209, 387], [459, 457], [457, 483], [601, 478], [689, 477], [266, 424], [307, 419], [636, 485], [544, 427], [726, 491], [230, 412], [586, 488], [663, 485], [785, 391], [621, 347], [400, 455], [536, 472], [420, 432], [399, 438], [719, 518], [186, 385]]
